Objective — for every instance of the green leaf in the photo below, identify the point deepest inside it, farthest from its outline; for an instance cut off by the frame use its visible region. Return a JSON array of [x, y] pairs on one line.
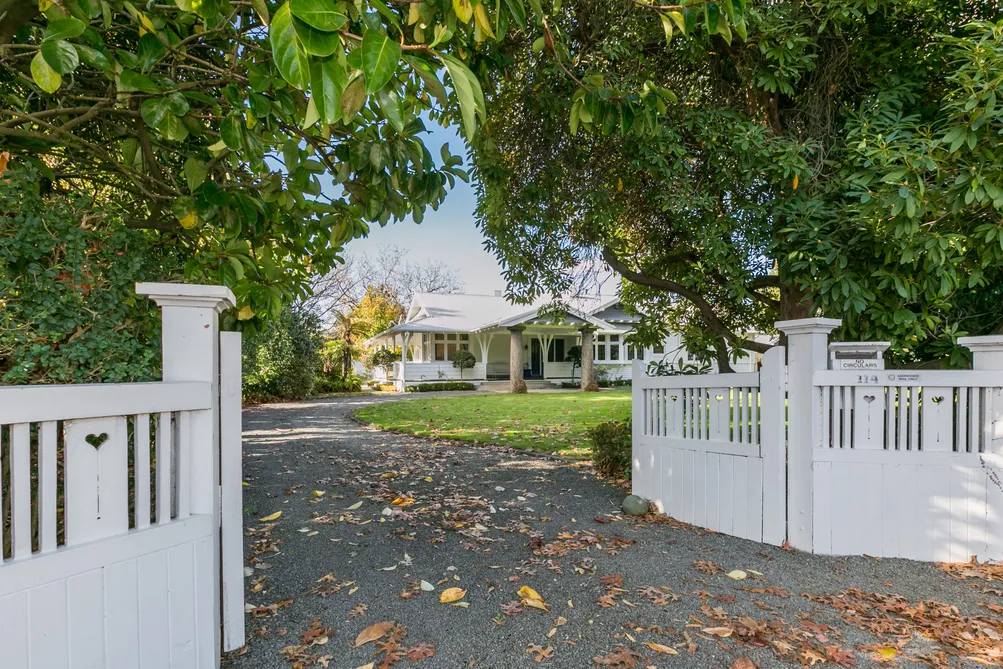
[[262, 10], [134, 81], [667, 27], [391, 106], [92, 57], [173, 129], [232, 132], [432, 83], [46, 77], [290, 56], [153, 111], [320, 14], [353, 99], [468, 92], [64, 29], [327, 83], [712, 15], [178, 104], [195, 173], [380, 56], [60, 55], [315, 42]]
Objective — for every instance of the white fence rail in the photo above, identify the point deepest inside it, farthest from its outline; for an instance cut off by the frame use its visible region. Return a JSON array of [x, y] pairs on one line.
[[889, 463], [112, 547]]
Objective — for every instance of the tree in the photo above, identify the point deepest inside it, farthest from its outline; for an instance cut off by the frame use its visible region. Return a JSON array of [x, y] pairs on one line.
[[842, 162], [462, 360], [385, 358], [218, 123], [574, 356]]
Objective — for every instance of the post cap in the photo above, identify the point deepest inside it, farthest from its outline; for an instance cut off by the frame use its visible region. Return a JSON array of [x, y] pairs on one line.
[[983, 344], [188, 295], [808, 326]]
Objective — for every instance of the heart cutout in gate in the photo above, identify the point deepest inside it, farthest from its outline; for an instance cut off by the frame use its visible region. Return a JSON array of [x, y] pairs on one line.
[[937, 400], [869, 398], [675, 397], [719, 397], [96, 440]]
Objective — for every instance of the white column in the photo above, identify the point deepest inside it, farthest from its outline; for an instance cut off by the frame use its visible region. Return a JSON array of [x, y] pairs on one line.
[[807, 351], [987, 355], [773, 444], [405, 342], [190, 352]]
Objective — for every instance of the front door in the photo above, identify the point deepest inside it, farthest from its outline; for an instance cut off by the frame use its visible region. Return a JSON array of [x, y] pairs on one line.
[[535, 358]]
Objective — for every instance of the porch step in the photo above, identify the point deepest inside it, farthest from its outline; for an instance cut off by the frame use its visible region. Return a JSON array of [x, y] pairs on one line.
[[504, 386]]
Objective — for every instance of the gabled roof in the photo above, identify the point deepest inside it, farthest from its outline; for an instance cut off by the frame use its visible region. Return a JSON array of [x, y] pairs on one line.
[[459, 312]]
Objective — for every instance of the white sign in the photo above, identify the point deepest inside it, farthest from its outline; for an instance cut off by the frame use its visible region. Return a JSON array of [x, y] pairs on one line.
[[858, 363]]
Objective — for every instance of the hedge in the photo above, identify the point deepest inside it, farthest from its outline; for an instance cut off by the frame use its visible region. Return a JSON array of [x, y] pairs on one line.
[[443, 385]]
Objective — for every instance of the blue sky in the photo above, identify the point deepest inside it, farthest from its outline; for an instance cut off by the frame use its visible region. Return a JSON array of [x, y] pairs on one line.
[[449, 234]]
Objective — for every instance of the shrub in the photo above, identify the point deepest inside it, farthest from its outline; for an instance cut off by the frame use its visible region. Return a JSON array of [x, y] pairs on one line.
[[336, 384], [611, 443], [444, 385], [463, 360], [283, 360], [384, 358]]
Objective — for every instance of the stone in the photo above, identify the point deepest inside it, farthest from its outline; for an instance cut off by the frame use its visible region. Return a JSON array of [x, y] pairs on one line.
[[634, 506]]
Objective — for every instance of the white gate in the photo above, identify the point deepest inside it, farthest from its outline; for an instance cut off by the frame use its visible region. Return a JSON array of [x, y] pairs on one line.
[[112, 551], [905, 464], [706, 453], [888, 463]]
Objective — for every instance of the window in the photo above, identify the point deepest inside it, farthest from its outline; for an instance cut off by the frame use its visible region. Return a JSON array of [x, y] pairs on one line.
[[556, 352], [614, 347], [658, 349], [635, 352], [600, 347], [446, 344]]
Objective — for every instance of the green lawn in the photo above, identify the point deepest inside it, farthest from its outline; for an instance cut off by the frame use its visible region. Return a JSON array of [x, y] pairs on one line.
[[548, 422]]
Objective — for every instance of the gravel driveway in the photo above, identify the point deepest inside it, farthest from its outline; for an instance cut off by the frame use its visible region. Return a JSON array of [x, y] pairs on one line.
[[375, 526]]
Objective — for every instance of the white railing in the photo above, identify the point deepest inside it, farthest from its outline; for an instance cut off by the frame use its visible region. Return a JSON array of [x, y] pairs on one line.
[[98, 430], [716, 408], [904, 410]]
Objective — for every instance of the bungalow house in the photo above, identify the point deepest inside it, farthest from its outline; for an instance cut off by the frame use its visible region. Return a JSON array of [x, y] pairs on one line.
[[516, 342]]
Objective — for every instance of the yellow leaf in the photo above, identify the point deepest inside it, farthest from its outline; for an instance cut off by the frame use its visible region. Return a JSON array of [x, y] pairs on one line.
[[737, 575], [274, 516], [464, 11], [536, 604], [43, 5], [319, 493], [659, 648], [450, 595], [718, 631], [354, 506], [403, 501], [412, 13], [619, 185], [245, 314], [886, 653], [795, 184], [189, 220], [483, 20], [428, 479], [4, 158], [146, 25], [372, 633], [527, 592]]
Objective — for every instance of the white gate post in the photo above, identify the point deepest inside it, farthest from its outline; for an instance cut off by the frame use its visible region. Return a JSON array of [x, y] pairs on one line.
[[807, 351], [987, 355], [190, 352], [773, 444]]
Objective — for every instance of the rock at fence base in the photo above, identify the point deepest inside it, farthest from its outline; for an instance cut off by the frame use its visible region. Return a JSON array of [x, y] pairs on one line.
[[634, 506]]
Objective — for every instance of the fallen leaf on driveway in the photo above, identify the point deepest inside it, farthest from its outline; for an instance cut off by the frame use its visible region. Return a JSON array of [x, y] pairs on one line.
[[718, 631], [372, 633], [427, 587], [742, 663], [659, 648], [737, 575], [540, 653], [268, 519], [450, 595], [353, 508], [527, 592]]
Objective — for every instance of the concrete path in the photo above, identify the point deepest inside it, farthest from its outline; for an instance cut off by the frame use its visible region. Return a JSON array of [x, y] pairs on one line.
[[375, 526]]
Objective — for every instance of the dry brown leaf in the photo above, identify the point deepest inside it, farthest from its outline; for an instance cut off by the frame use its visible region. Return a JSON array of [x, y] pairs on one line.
[[722, 632], [659, 648], [536, 604], [742, 663], [373, 632]]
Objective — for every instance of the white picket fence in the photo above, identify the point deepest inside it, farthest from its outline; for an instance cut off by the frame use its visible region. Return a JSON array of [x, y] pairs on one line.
[[124, 532], [888, 463]]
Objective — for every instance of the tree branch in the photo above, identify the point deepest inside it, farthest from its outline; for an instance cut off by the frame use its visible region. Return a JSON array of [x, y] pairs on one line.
[[703, 306]]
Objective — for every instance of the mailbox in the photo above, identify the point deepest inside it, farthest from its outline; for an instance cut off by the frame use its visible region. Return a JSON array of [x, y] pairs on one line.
[[858, 355]]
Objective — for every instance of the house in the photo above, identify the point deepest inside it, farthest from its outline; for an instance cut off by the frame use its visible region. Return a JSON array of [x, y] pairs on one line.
[[517, 342]]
